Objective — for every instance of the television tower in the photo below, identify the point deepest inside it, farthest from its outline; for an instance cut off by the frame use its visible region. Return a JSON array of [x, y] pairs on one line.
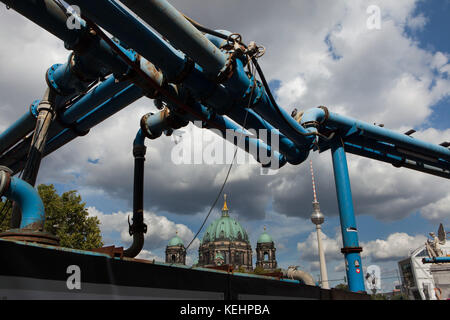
[[318, 218]]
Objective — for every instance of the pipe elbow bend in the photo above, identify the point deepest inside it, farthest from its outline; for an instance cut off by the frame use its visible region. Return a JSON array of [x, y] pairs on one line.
[[28, 199]]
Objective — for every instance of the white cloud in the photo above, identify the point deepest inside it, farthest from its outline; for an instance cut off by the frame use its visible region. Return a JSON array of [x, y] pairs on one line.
[[395, 247], [159, 229], [437, 211], [148, 255], [332, 247]]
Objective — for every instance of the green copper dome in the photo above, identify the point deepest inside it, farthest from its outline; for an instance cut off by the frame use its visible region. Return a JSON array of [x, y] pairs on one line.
[[225, 228], [175, 241], [265, 238]]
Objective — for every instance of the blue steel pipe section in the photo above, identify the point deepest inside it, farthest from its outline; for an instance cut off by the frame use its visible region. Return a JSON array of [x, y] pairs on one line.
[[139, 140], [349, 231], [93, 98], [111, 17], [18, 129], [123, 25], [249, 144], [155, 124], [436, 260], [26, 197], [400, 140], [94, 117], [173, 25]]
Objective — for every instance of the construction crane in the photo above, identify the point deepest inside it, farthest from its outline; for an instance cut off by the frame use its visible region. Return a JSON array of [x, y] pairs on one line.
[[193, 74]]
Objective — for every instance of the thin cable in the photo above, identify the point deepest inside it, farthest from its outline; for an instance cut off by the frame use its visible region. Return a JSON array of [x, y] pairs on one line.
[[228, 173]]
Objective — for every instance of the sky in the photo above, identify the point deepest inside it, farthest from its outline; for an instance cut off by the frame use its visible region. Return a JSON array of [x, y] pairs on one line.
[[317, 53]]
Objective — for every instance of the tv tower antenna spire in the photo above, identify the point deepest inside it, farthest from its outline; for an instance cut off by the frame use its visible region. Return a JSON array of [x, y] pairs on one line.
[[318, 218]]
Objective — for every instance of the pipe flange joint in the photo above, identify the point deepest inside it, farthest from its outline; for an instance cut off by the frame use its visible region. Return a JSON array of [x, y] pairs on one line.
[[327, 114], [139, 151], [313, 124], [347, 250], [5, 178], [34, 108], [189, 66], [145, 129], [50, 78]]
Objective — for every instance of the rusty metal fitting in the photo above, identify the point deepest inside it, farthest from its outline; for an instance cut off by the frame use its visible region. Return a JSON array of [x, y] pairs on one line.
[[5, 179], [28, 235], [228, 69], [351, 250], [189, 66], [327, 114]]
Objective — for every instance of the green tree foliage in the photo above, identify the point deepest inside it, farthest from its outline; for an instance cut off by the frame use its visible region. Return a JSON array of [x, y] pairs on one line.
[[342, 286], [378, 296], [67, 218]]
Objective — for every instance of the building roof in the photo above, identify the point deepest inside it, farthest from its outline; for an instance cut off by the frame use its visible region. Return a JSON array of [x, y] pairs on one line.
[[175, 241], [225, 228], [265, 237]]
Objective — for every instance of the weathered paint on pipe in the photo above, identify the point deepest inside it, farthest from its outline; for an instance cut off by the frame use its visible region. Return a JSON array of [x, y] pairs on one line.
[[169, 22], [123, 25]]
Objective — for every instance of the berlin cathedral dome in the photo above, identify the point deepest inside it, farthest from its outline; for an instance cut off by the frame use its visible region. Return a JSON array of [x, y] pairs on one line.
[[225, 241]]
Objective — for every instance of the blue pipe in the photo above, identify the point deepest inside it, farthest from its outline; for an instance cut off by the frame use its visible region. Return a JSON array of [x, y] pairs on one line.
[[436, 260], [27, 198], [170, 23], [375, 132], [252, 120], [174, 26], [156, 124], [123, 25], [349, 231], [94, 117], [249, 143], [139, 140], [18, 129], [223, 124], [95, 97]]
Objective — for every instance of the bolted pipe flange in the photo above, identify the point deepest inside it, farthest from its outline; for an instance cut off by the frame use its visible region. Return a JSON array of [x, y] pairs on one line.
[[50, 78]]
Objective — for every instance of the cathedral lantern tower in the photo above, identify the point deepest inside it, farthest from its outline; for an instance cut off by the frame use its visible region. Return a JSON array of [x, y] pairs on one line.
[[265, 252], [175, 251]]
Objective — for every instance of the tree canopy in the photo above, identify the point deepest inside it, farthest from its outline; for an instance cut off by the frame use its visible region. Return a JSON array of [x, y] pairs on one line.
[[66, 217]]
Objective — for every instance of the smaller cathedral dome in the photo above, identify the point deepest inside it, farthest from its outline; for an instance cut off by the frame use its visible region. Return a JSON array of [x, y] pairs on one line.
[[175, 241], [264, 237]]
